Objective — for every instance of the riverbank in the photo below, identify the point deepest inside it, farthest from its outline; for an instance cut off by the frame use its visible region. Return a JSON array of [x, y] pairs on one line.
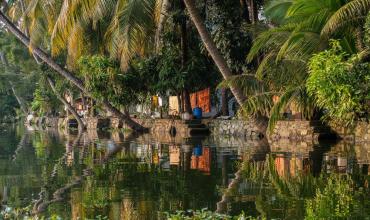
[[296, 130]]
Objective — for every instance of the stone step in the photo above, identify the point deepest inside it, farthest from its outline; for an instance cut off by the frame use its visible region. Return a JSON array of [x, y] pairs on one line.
[[322, 129], [197, 126], [194, 140], [193, 121], [199, 132]]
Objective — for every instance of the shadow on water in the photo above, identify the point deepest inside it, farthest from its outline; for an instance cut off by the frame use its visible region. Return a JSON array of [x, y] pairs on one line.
[[122, 176]]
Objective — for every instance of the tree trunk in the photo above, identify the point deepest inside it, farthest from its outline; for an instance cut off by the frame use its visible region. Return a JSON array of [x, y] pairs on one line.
[[19, 100], [184, 55], [187, 102], [162, 20], [4, 60], [180, 101], [66, 74], [70, 108], [224, 103], [245, 11], [212, 49], [253, 11], [83, 100]]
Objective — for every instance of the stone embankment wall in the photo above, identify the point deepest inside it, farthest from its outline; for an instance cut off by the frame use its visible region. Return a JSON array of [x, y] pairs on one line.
[[237, 128], [97, 123], [297, 148], [297, 130], [359, 133], [313, 130], [157, 126]]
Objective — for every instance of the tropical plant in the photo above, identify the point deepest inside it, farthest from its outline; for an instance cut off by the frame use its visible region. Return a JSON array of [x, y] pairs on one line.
[[297, 30], [104, 79], [212, 49], [339, 84], [205, 214], [335, 201], [43, 56], [44, 102]]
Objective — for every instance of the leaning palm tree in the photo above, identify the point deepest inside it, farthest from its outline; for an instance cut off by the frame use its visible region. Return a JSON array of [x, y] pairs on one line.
[[129, 32], [81, 125], [64, 72], [213, 50]]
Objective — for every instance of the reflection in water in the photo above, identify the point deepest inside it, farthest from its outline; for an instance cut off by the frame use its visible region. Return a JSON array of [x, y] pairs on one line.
[[113, 175], [315, 182], [120, 176]]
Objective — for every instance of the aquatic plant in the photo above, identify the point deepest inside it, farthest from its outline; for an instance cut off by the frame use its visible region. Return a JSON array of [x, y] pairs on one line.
[[205, 214], [334, 201]]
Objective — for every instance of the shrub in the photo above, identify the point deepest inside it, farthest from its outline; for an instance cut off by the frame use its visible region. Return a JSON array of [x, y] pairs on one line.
[[339, 84]]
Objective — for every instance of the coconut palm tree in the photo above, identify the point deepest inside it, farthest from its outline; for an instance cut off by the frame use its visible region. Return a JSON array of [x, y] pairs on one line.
[[212, 49], [64, 72], [300, 29], [70, 108]]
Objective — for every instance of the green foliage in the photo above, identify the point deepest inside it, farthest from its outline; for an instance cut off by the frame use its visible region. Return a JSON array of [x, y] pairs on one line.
[[205, 214], [8, 104], [335, 201], [340, 84], [367, 32], [227, 27], [18, 76], [170, 75], [44, 101], [196, 74], [303, 195], [301, 28], [105, 80]]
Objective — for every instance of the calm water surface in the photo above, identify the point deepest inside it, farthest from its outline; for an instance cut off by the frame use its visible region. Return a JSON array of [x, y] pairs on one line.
[[120, 176]]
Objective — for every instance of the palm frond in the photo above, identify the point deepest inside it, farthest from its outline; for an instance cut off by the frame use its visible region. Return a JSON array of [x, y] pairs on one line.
[[270, 40], [276, 10], [132, 30], [284, 100], [350, 13]]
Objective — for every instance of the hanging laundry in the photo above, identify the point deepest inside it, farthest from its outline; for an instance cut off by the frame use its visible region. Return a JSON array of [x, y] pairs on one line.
[[201, 99], [155, 102], [174, 108]]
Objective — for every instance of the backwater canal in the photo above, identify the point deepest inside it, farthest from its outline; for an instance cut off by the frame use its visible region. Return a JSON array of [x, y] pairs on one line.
[[113, 175]]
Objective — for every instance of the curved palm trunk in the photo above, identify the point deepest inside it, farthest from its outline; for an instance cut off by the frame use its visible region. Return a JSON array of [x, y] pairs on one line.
[[162, 19], [226, 198], [65, 73], [19, 100], [212, 49], [70, 108], [224, 103]]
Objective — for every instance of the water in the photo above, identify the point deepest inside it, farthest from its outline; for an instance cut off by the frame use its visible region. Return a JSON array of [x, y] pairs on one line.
[[113, 175]]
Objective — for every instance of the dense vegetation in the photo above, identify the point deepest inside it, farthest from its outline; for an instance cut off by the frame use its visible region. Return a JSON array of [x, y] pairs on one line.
[[273, 55]]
